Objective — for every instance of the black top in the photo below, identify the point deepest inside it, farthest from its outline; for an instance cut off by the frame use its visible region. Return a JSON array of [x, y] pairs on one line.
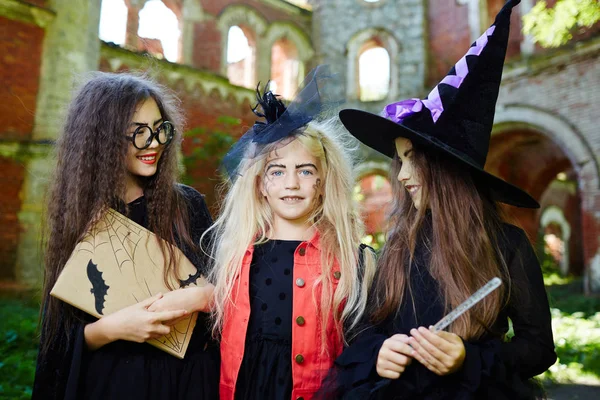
[[266, 369], [129, 370], [492, 369]]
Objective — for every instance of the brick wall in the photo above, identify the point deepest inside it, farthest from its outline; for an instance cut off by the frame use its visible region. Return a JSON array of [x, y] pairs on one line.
[[20, 57], [566, 86], [207, 54], [449, 36], [212, 114], [11, 180]]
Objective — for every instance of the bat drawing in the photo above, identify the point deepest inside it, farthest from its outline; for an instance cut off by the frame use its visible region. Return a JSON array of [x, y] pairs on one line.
[[192, 278], [99, 287]]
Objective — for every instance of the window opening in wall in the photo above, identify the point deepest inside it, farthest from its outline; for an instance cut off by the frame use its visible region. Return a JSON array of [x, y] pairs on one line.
[[113, 21], [285, 68], [157, 21], [241, 50], [373, 72]]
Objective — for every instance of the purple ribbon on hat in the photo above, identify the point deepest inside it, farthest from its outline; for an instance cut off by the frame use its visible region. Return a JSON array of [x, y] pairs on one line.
[[399, 111]]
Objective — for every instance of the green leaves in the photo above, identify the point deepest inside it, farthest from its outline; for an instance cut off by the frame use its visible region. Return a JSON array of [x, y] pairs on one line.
[[553, 27], [209, 145], [576, 328], [18, 346]]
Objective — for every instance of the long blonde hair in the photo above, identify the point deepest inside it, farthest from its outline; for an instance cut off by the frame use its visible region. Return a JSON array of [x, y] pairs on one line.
[[246, 219]]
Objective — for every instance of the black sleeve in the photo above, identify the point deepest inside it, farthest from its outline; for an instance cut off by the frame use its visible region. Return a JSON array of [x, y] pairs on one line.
[[199, 221], [531, 350], [57, 372]]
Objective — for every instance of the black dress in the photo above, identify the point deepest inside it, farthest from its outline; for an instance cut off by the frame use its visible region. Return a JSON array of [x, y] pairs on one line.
[[266, 369], [492, 369], [129, 370]]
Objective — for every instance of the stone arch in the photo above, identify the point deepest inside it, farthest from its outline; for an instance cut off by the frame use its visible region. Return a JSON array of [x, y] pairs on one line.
[[389, 42], [561, 131], [553, 214], [280, 36], [586, 169], [240, 15], [288, 30]]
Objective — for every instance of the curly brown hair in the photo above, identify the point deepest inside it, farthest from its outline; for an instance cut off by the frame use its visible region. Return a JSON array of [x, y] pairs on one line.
[[90, 177]]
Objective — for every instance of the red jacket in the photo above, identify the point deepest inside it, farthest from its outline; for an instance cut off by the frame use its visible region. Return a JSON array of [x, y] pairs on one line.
[[309, 364]]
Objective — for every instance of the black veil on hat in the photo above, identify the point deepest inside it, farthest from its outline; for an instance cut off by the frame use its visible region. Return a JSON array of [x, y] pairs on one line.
[[457, 116], [311, 102]]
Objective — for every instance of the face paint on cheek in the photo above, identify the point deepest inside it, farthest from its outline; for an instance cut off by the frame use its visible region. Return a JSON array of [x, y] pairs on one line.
[[317, 187], [267, 185], [317, 184]]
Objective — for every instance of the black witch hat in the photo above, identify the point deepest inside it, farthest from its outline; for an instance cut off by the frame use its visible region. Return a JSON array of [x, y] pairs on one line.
[[457, 116]]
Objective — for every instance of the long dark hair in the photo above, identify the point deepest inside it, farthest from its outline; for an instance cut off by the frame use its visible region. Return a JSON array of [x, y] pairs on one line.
[[465, 253], [90, 177]]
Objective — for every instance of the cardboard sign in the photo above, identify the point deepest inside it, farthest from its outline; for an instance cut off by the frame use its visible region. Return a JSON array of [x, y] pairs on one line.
[[119, 263]]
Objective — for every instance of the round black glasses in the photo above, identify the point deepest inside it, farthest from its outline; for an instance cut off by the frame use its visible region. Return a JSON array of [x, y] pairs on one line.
[[143, 135]]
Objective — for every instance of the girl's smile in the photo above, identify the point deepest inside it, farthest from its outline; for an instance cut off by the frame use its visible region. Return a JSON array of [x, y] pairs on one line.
[[412, 189], [149, 158]]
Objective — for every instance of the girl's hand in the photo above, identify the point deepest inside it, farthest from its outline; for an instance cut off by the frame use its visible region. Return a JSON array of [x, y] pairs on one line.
[[442, 353], [394, 356], [195, 298], [134, 323]]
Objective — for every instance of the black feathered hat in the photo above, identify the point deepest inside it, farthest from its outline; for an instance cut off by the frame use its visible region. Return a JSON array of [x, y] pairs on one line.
[[457, 116], [311, 102]]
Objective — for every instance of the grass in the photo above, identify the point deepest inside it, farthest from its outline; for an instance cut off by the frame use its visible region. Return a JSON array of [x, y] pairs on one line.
[[575, 322], [18, 346], [576, 327]]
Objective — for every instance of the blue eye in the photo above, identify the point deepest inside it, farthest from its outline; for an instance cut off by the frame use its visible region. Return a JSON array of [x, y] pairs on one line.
[[306, 172], [277, 173]]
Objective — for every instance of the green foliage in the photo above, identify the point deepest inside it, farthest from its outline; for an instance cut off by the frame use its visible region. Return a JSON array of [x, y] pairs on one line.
[[553, 27], [18, 346], [568, 298], [376, 241], [576, 327], [577, 341], [209, 145]]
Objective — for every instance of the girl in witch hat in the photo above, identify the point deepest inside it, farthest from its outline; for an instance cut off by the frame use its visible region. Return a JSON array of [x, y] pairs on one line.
[[288, 251], [447, 238]]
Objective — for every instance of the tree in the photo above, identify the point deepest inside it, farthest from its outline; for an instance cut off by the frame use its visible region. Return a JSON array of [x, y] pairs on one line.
[[553, 27]]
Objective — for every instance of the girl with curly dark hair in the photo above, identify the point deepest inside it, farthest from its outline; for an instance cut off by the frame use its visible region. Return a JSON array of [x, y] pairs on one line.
[[119, 149]]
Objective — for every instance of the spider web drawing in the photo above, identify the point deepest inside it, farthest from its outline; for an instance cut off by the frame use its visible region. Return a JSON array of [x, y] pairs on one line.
[[127, 241]]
